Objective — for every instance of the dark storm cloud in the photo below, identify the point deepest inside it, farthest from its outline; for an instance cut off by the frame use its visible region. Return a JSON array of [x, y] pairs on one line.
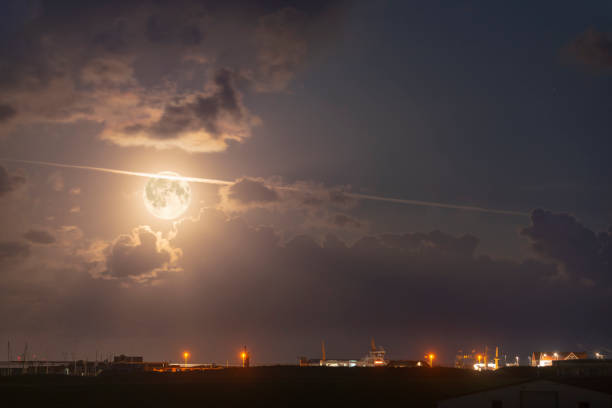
[[583, 253], [38, 236], [13, 249], [9, 182], [141, 256], [592, 48]]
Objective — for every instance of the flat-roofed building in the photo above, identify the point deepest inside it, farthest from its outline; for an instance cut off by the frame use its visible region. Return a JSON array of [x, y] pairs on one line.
[[122, 358]]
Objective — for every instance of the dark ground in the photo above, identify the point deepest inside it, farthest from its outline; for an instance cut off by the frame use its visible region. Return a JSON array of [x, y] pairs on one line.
[[255, 387]]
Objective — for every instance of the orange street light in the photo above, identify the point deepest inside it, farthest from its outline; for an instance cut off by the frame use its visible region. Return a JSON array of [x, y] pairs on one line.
[[185, 357], [479, 358], [431, 358], [243, 356]]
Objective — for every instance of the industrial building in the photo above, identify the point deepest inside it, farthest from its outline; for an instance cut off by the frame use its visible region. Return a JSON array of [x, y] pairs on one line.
[[545, 359], [479, 361], [374, 358], [81, 368], [38, 367], [122, 358]]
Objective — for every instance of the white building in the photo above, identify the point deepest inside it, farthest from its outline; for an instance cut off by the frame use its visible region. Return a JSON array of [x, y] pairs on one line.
[[533, 394]]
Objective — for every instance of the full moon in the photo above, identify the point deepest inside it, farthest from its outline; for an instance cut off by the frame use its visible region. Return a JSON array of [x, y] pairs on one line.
[[167, 199]]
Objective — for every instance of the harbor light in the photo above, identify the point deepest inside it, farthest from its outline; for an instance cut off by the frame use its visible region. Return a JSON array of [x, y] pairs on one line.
[[244, 355]]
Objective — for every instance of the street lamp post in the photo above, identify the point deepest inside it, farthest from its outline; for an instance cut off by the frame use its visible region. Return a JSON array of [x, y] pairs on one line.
[[185, 357], [246, 358]]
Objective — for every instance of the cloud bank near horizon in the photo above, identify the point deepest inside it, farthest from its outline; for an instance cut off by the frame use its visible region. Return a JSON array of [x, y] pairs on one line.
[[249, 276]]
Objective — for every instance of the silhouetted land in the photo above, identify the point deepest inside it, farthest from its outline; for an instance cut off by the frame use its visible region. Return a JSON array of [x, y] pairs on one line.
[[259, 387]]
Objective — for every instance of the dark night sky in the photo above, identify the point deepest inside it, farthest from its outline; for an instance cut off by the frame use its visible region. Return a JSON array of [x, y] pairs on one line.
[[475, 103]]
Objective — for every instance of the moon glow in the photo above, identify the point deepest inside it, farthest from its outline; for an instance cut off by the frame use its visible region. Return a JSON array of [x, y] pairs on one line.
[[167, 199]]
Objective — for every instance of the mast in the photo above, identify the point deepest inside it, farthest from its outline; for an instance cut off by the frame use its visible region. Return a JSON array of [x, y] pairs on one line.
[[323, 351]]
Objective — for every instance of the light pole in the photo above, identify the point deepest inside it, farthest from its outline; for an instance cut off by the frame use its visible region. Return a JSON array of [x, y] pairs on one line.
[[244, 355], [185, 357], [431, 359]]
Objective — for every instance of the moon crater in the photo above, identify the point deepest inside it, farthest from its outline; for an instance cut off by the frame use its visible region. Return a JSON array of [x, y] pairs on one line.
[[167, 198]]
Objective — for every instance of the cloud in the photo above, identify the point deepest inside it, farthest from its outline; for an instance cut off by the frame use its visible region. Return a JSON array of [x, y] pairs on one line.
[[306, 207], [581, 252], [433, 242], [282, 48], [380, 282], [246, 193], [343, 220], [9, 182], [13, 249], [107, 72], [592, 48], [155, 74], [37, 236], [201, 122], [141, 256], [249, 191], [6, 112], [70, 236], [239, 278], [56, 181]]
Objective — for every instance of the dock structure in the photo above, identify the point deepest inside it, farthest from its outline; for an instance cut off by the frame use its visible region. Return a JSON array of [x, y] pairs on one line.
[[374, 358]]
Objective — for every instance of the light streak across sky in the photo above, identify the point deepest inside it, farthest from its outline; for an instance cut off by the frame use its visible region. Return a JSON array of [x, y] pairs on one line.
[[125, 172], [228, 183], [435, 204]]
